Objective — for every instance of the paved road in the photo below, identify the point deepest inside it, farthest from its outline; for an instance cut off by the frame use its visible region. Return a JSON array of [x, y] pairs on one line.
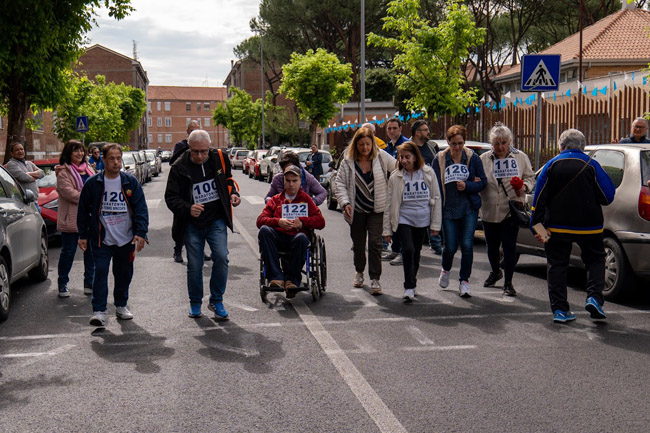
[[347, 363]]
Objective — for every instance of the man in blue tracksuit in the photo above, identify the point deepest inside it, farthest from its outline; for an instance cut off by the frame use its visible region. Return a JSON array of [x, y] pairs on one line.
[[113, 216], [571, 190]]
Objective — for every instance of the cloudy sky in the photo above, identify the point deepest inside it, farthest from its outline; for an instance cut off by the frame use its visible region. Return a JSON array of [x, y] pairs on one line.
[[180, 43]]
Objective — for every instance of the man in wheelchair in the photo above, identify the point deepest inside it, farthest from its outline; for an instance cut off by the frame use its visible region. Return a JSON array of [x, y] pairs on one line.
[[284, 226]]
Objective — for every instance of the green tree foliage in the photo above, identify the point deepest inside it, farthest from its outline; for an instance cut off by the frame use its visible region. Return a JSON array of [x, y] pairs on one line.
[[113, 110], [428, 59], [241, 116], [316, 81], [279, 128], [380, 84], [40, 41]]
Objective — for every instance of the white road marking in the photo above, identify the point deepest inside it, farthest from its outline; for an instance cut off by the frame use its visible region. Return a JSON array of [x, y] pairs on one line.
[[153, 203], [435, 348], [53, 352], [240, 306], [419, 336], [371, 402], [254, 199]]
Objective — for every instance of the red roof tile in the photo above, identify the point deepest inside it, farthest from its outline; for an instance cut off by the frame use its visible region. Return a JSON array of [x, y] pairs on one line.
[[186, 93]]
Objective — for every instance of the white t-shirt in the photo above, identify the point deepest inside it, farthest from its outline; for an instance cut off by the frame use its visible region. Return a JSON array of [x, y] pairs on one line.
[[415, 210], [115, 214]]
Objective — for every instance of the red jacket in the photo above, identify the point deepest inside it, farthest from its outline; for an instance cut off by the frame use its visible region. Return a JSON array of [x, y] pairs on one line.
[[272, 213]]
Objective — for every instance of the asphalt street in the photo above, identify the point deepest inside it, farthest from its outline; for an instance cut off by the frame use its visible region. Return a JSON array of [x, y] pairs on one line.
[[349, 362]]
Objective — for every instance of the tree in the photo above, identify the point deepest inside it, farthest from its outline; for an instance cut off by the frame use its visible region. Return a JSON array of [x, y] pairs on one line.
[[241, 116], [316, 81], [113, 110], [428, 59], [380, 84], [40, 42]]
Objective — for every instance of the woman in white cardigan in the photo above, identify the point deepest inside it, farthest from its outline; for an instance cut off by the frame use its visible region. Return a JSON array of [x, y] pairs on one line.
[[413, 210], [361, 184]]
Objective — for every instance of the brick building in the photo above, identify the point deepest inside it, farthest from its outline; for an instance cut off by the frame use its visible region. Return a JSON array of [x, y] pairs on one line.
[[118, 68], [170, 109], [41, 143]]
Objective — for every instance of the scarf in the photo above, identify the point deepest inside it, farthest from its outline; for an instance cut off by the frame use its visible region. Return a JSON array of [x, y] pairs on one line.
[[75, 170]]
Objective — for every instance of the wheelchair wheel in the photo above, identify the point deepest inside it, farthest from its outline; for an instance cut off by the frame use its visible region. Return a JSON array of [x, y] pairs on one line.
[[322, 266], [262, 283]]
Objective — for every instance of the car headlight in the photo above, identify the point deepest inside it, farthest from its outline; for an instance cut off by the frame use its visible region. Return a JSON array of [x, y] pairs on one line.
[[54, 204]]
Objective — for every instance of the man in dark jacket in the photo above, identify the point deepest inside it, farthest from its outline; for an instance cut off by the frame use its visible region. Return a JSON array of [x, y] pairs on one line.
[[201, 192], [571, 190], [314, 162], [177, 226], [395, 137], [113, 215], [639, 132]]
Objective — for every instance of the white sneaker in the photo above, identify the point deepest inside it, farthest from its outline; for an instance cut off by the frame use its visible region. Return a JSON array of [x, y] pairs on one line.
[[358, 279], [397, 260], [409, 295], [464, 289], [98, 319], [389, 255], [123, 313], [443, 280], [375, 288]]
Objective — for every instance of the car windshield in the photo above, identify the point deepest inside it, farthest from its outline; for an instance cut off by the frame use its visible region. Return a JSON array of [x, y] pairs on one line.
[[645, 166], [49, 180], [150, 156], [242, 153], [127, 159]]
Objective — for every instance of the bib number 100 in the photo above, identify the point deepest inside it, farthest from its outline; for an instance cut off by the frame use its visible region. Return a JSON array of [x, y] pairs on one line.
[[205, 187]]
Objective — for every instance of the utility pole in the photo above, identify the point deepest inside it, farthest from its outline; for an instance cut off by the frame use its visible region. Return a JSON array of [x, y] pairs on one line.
[[262, 84], [362, 117]]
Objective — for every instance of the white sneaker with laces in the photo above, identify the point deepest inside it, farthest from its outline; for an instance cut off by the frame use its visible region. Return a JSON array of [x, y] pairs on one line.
[[409, 295], [123, 313], [464, 289], [98, 319], [443, 280], [375, 287], [358, 279], [397, 260]]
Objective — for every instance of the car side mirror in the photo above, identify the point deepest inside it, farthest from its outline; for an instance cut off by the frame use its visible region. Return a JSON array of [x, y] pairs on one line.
[[29, 196]]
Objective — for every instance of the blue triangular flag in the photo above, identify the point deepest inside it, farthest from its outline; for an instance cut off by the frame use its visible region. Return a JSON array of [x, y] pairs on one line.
[[604, 90], [584, 90], [644, 80], [568, 93], [554, 97], [594, 92], [632, 76], [614, 85], [477, 110]]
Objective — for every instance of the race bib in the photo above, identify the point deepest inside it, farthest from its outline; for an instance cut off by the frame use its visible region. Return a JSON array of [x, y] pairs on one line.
[[205, 192], [113, 202], [416, 190], [291, 211], [456, 172], [115, 219], [506, 167]]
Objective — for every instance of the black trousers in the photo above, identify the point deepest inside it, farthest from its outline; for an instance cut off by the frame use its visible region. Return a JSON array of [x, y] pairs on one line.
[[178, 232], [411, 239], [497, 235], [558, 251]]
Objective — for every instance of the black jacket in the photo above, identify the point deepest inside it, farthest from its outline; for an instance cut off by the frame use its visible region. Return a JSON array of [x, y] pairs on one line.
[[178, 195]]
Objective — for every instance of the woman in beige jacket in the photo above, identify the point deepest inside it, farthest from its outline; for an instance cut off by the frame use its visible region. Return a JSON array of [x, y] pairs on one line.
[[361, 184], [413, 211], [501, 165], [71, 174]]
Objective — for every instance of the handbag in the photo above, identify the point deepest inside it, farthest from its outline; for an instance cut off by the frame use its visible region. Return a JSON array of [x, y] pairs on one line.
[[520, 213]]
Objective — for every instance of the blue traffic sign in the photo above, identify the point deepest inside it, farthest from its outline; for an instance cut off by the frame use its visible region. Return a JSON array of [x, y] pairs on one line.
[[82, 124], [540, 72]]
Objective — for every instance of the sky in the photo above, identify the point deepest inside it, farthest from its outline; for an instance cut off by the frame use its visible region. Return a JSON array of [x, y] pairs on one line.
[[179, 43]]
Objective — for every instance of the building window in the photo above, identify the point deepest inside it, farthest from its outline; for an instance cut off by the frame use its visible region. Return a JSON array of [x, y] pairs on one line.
[[159, 121], [149, 138], [198, 106], [168, 106], [158, 106], [168, 138], [206, 106], [1, 124], [168, 121], [188, 106], [149, 106], [149, 121], [187, 121], [206, 122], [159, 138]]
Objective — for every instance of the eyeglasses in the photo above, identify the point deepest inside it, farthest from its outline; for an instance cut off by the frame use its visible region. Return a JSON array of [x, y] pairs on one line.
[[456, 144], [199, 152]]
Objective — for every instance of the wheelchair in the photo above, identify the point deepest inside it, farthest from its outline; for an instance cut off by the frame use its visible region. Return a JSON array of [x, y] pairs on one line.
[[314, 270]]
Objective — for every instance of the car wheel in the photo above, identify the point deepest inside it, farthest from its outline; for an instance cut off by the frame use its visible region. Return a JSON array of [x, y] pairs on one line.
[[39, 273], [617, 270], [331, 201], [5, 290]]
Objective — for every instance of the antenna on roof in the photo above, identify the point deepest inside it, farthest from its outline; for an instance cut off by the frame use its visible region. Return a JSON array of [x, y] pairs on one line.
[[205, 83], [135, 50]]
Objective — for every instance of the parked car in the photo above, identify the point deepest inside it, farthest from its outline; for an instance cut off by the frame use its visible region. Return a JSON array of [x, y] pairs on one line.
[[627, 219], [327, 158], [477, 146], [48, 197], [23, 239], [165, 155], [267, 163], [238, 158], [155, 163], [247, 163], [231, 153], [330, 183], [254, 165], [148, 175], [282, 152], [131, 166]]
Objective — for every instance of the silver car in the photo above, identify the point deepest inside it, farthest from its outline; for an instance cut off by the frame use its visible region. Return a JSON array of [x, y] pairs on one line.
[[23, 239], [627, 219], [155, 163]]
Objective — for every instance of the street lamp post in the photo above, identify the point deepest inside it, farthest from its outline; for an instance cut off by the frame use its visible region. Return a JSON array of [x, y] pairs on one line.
[[362, 117], [262, 84]]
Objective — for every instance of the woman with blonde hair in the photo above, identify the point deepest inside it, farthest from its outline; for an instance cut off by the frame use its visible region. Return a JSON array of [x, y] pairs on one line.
[[361, 191]]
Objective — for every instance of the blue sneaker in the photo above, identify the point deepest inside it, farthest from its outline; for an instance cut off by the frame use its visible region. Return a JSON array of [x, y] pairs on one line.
[[219, 311], [63, 292], [195, 311], [560, 316], [594, 308]]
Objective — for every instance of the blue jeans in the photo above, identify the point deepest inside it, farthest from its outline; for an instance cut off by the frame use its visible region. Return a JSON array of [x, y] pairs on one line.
[[272, 241], [459, 231], [122, 273], [217, 238], [66, 257]]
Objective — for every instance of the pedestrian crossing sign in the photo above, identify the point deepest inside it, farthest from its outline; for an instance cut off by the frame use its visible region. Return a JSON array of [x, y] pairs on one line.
[[540, 72], [82, 124]]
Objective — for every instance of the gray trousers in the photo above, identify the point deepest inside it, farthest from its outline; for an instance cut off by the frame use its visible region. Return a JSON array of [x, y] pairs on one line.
[[367, 226]]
